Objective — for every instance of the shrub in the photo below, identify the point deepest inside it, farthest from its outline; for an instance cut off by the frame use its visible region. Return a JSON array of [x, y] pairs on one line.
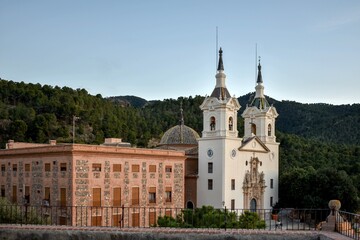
[[11, 213], [251, 220]]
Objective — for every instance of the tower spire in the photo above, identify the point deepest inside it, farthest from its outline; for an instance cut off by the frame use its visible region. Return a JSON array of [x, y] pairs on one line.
[[220, 91], [181, 114], [221, 64], [259, 100], [181, 124], [259, 77]]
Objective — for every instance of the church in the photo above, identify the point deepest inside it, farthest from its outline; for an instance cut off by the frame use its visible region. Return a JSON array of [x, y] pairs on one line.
[[237, 172], [222, 169]]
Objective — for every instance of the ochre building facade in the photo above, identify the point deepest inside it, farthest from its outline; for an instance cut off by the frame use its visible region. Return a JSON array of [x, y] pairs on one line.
[[102, 179]]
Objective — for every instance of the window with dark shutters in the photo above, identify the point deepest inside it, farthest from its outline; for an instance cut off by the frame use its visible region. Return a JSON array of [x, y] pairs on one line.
[[96, 197]]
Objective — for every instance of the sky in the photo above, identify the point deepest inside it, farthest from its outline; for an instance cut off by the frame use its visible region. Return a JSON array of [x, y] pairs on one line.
[[162, 49]]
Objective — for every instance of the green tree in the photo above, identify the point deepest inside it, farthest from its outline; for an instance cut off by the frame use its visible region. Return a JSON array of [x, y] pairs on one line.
[[18, 130]]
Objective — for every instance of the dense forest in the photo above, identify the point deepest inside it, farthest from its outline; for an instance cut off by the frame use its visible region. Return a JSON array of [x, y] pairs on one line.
[[319, 143]]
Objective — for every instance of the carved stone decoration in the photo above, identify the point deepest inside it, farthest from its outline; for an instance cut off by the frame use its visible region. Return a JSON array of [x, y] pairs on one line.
[[254, 186]]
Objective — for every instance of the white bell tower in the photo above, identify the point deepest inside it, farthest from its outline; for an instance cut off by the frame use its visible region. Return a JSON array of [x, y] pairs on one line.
[[218, 144], [259, 116], [259, 122]]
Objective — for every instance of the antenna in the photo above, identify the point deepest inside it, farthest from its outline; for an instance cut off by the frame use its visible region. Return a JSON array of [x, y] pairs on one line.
[[217, 48], [255, 62]]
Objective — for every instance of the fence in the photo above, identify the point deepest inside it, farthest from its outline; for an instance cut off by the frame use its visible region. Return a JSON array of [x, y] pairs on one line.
[[348, 224], [144, 217]]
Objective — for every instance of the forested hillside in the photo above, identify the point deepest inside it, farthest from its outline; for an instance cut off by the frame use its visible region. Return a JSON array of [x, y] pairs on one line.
[[319, 150], [325, 122]]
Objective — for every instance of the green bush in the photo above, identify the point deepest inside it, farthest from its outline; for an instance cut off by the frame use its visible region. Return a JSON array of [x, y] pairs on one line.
[[251, 220], [167, 221], [209, 217], [11, 213]]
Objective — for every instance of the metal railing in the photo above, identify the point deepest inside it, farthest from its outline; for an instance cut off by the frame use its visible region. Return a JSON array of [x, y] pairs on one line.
[[347, 224], [144, 217]]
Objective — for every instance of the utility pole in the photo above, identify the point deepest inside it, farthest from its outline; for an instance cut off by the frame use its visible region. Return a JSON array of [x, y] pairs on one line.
[[75, 118]]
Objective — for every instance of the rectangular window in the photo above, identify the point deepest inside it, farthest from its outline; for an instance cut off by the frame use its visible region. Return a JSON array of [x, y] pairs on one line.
[[135, 219], [116, 167], [62, 197], [232, 204], [271, 201], [152, 168], [62, 220], [135, 196], [152, 195], [27, 194], [271, 183], [96, 167], [27, 167], [117, 220], [152, 218], [96, 220], [2, 191], [135, 168], [14, 167], [47, 196], [3, 167], [96, 197], [14, 194], [47, 167], [210, 184], [168, 169], [168, 193], [232, 184], [117, 197], [210, 167], [63, 167]]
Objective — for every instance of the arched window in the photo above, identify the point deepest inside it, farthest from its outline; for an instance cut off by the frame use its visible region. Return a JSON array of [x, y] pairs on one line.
[[269, 130], [212, 123], [253, 205], [230, 123], [253, 128], [189, 205]]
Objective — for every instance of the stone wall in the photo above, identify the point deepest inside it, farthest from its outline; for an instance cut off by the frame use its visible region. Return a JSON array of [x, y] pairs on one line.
[[19, 234]]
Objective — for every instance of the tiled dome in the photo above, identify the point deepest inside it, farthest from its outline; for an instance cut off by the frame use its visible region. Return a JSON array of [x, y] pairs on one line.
[[180, 134]]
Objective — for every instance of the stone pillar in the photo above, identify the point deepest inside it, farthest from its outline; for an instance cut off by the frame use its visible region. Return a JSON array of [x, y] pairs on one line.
[[330, 224]]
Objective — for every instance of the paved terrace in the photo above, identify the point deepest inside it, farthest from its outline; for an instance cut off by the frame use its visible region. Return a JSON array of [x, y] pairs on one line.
[[46, 232]]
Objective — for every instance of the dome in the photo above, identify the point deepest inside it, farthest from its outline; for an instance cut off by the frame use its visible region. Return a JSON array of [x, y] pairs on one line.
[[179, 134]]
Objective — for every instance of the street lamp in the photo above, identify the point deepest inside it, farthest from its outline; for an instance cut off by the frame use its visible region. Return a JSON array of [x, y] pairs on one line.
[[75, 118]]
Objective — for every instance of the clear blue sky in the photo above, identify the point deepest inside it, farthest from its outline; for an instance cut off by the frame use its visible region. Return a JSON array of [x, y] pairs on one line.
[[167, 48]]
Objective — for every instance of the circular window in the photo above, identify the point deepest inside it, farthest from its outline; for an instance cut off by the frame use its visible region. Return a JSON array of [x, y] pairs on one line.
[[233, 153], [210, 153]]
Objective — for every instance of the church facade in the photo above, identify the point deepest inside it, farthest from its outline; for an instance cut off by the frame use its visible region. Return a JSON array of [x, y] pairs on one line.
[[234, 172]]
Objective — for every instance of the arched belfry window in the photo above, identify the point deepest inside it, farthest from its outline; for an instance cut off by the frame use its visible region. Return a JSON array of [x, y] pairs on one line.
[[212, 123], [231, 123], [269, 130], [253, 128]]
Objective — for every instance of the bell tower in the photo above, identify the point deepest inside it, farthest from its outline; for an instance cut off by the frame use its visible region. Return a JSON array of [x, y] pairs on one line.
[[260, 186], [218, 143], [220, 109], [259, 116]]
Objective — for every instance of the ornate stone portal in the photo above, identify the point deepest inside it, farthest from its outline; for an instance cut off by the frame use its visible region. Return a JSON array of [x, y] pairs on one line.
[[254, 185]]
